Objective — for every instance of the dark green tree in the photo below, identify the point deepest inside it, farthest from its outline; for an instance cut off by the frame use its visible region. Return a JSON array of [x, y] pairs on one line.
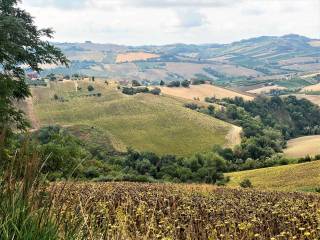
[[90, 88], [21, 44], [185, 83]]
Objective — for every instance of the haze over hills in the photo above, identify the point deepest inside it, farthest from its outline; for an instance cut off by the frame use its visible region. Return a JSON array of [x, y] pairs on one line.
[[241, 63]]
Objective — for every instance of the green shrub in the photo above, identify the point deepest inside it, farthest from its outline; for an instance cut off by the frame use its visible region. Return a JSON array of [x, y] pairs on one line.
[[156, 91], [192, 106], [174, 84], [90, 88], [246, 183], [185, 83]]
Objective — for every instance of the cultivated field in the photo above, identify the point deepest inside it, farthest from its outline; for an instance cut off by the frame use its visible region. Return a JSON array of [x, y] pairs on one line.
[[203, 91], [139, 211], [302, 146], [146, 122], [265, 89], [293, 177], [315, 87], [134, 56]]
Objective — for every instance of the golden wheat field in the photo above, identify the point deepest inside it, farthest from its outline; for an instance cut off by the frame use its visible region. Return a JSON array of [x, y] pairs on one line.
[[134, 56], [173, 211], [302, 146], [203, 91]]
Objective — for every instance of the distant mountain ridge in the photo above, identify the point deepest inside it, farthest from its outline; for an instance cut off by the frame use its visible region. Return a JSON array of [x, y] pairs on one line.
[[248, 60]]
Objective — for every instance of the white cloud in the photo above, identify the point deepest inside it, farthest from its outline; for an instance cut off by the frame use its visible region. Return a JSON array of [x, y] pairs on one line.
[[140, 22], [190, 18]]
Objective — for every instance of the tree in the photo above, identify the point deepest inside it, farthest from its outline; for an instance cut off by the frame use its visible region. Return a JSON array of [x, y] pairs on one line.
[[174, 84], [90, 88], [162, 83], [185, 83], [21, 44], [135, 83], [156, 91]]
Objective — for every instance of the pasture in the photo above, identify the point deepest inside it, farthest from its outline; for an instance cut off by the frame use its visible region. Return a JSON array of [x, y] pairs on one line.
[[145, 122], [293, 177], [203, 91]]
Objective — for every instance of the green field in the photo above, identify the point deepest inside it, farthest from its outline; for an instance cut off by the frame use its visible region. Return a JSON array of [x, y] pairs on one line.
[[144, 121], [294, 177]]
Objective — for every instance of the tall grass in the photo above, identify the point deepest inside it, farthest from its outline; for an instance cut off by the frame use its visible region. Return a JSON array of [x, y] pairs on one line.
[[25, 205]]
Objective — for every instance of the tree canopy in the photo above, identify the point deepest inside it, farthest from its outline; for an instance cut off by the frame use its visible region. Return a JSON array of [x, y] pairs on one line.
[[22, 46]]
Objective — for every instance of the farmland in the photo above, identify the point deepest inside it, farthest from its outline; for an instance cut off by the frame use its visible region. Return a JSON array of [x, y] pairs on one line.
[[294, 177], [266, 89], [134, 56], [203, 91], [144, 121], [302, 146], [176, 211], [315, 87]]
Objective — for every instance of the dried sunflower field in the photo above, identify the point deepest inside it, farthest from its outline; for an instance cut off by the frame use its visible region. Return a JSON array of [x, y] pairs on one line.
[[174, 211]]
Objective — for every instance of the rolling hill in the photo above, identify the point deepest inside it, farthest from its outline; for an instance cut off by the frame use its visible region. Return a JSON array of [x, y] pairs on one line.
[[203, 91], [294, 177], [244, 63], [144, 121]]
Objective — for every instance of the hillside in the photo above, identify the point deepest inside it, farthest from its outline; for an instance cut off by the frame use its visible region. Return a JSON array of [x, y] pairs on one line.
[[294, 177], [203, 91], [144, 121], [251, 62], [303, 146]]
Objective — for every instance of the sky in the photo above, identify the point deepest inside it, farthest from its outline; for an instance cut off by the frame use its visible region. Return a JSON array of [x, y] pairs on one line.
[[157, 22]]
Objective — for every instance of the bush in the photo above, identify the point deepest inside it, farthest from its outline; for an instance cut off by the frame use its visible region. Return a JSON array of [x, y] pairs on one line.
[[156, 91], [132, 91], [185, 83], [192, 106], [198, 82], [246, 183], [174, 84], [136, 83], [90, 88]]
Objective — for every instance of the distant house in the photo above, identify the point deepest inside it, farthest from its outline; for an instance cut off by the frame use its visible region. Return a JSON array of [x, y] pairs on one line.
[[33, 75]]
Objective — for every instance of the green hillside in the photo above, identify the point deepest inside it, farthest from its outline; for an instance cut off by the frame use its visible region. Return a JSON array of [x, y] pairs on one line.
[[295, 177], [144, 121]]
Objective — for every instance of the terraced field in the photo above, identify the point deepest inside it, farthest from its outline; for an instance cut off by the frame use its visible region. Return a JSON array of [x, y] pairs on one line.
[[294, 177], [144, 121]]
